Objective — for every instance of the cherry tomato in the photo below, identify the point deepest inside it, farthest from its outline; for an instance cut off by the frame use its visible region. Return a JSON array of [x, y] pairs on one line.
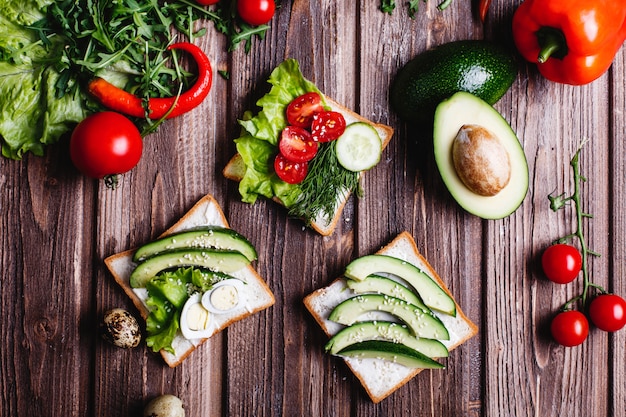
[[561, 263], [104, 144], [289, 171], [608, 312], [301, 110], [256, 12], [296, 144], [207, 2], [569, 328], [327, 126]]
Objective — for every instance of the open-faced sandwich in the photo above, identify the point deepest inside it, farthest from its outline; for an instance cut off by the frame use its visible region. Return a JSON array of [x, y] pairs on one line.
[[390, 317], [304, 150], [192, 282]]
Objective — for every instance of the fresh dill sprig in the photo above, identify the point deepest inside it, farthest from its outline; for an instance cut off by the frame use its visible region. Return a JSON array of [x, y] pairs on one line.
[[323, 185]]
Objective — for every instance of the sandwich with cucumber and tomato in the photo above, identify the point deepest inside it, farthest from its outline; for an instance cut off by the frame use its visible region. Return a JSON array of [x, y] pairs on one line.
[[390, 316], [192, 282], [304, 150]]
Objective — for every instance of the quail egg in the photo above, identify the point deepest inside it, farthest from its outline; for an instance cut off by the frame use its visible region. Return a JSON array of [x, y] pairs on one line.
[[167, 405], [195, 320], [120, 328], [224, 297]]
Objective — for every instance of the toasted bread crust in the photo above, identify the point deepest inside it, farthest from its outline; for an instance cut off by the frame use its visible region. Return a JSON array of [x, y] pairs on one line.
[[235, 168], [206, 211], [312, 304]]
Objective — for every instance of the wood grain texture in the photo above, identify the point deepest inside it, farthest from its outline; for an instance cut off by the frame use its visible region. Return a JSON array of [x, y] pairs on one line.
[[57, 227]]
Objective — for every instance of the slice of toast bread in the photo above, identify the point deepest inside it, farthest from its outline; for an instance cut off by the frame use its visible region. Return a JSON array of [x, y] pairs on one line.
[[206, 212], [236, 168], [381, 378]]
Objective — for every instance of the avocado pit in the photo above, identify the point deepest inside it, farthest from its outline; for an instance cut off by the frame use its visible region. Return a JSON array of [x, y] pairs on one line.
[[480, 160]]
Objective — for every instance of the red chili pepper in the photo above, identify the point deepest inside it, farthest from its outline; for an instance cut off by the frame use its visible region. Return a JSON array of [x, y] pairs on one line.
[[483, 8], [572, 42], [124, 102]]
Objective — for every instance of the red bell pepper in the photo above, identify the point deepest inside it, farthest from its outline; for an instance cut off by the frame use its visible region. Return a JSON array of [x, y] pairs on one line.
[[124, 102], [572, 42]]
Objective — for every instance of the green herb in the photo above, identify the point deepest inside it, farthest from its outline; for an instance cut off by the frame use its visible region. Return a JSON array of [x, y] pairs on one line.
[[558, 203], [388, 6], [325, 181]]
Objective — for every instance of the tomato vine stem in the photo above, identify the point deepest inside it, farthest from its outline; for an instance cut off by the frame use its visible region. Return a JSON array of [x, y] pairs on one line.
[[560, 201]]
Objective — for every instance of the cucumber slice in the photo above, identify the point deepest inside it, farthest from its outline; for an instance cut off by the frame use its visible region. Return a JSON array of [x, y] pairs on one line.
[[384, 330], [215, 259], [201, 237], [421, 323], [359, 148], [390, 351], [383, 285]]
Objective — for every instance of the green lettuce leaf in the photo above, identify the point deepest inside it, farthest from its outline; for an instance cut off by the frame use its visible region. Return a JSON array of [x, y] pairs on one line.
[[258, 143], [30, 114]]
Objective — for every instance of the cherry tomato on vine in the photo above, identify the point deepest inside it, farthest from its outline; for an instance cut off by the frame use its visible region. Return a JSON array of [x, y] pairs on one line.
[[289, 171], [561, 263], [569, 328], [608, 312], [297, 145], [105, 143], [327, 126], [301, 110], [256, 12]]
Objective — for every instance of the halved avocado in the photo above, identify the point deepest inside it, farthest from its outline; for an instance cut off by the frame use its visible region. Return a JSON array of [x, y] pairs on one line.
[[464, 109]]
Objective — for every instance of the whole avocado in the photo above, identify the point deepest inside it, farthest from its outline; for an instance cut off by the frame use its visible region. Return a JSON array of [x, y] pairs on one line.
[[478, 67]]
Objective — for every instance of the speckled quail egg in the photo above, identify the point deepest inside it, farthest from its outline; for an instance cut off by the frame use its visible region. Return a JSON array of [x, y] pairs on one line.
[[164, 406], [120, 328]]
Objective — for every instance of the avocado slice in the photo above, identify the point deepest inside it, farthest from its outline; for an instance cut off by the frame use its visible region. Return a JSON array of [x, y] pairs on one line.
[[430, 292], [215, 259], [476, 66], [383, 285], [201, 237], [423, 323], [394, 352], [384, 330], [462, 110]]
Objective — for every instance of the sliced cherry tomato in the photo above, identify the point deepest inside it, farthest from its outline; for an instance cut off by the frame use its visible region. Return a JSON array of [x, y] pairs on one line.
[[256, 12], [289, 171], [608, 312], [569, 328], [327, 126], [105, 144], [297, 145], [561, 263], [301, 110]]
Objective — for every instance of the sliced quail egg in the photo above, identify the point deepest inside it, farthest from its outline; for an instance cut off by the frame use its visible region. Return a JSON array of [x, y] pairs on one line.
[[224, 297], [195, 320]]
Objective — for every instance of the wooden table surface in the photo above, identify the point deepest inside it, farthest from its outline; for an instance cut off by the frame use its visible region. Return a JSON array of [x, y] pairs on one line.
[[57, 227]]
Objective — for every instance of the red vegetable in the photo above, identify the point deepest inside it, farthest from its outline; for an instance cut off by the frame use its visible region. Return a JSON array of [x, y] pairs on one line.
[[105, 144], [289, 171], [121, 101], [561, 263], [256, 12], [483, 8], [572, 42], [327, 126], [300, 111], [608, 312], [207, 2], [297, 145], [569, 328]]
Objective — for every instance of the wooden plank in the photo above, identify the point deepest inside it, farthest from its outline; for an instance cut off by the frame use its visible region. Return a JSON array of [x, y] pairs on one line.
[[46, 286]]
